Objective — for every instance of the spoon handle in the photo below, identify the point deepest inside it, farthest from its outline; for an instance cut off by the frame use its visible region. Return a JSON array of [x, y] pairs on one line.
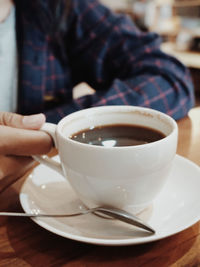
[[21, 214]]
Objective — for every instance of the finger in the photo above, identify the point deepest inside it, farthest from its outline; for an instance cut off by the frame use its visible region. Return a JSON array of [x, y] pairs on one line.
[[19, 121], [12, 168], [16, 141]]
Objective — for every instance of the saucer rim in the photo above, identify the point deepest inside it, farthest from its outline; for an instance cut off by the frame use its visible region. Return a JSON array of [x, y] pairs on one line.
[[107, 241]]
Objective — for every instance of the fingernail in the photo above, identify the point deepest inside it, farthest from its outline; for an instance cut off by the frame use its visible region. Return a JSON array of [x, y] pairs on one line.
[[34, 121]]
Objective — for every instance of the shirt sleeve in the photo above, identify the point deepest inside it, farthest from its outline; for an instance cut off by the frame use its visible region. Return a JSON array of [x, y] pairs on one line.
[[124, 65]]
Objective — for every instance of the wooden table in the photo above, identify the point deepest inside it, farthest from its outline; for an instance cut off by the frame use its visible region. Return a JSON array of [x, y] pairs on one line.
[[23, 243]]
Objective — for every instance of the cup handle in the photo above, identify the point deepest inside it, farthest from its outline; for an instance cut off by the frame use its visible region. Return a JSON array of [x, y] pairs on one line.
[[49, 128]]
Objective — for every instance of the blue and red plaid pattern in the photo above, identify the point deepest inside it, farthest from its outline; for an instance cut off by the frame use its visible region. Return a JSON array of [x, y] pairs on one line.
[[124, 65]]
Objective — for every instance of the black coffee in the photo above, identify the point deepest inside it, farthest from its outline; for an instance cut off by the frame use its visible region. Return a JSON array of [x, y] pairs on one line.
[[118, 135]]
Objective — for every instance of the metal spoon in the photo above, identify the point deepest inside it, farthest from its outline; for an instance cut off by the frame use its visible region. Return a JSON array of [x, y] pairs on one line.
[[119, 214]]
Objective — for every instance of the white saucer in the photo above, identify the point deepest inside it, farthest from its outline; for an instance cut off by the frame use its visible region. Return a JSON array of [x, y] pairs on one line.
[[176, 208]]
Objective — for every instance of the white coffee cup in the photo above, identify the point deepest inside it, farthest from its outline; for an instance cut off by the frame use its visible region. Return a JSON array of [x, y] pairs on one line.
[[128, 177]]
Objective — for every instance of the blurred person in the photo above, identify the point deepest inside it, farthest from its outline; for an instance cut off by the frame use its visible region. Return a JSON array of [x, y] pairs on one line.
[[59, 44]]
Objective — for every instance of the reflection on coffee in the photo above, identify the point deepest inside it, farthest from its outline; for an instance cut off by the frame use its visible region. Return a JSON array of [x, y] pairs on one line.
[[117, 135]]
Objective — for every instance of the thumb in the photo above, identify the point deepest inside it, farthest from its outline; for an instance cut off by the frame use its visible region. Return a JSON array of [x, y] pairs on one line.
[[33, 122]]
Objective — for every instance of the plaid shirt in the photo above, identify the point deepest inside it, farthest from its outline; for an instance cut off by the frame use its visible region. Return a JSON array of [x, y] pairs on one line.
[[124, 65]]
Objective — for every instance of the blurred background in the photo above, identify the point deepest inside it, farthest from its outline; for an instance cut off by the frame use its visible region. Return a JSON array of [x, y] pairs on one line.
[[177, 22]]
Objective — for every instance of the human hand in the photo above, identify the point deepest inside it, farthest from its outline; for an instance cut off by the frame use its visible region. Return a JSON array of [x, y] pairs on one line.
[[19, 139]]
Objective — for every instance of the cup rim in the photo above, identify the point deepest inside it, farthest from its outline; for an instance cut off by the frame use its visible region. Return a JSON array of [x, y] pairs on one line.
[[115, 108]]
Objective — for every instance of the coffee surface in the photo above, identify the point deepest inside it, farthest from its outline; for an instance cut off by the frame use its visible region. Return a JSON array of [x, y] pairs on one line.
[[117, 135]]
